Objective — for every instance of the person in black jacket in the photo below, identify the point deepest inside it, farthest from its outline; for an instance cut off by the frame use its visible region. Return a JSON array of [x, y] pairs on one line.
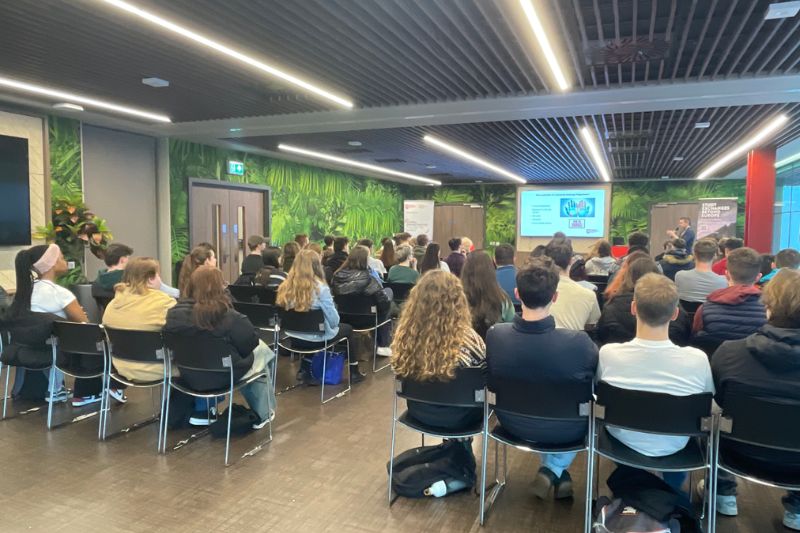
[[676, 258], [354, 278], [207, 312], [766, 364], [270, 275], [618, 324], [338, 258]]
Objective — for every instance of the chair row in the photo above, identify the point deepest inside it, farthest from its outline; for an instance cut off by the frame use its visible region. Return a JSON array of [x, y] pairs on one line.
[[757, 422]]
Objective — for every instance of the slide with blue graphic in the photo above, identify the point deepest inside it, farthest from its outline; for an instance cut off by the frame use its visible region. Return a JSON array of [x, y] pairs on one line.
[[576, 212]]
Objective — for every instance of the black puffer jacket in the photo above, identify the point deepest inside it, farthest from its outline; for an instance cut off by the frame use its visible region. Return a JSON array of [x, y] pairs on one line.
[[617, 324], [359, 282]]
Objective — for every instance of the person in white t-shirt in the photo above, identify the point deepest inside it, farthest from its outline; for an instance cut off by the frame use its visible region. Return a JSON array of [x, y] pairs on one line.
[[576, 307], [651, 362]]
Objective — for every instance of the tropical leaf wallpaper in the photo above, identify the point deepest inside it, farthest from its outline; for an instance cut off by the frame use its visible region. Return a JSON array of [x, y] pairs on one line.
[[65, 158]]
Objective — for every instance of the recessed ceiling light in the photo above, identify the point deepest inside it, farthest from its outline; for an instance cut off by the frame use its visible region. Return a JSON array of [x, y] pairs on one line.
[[678, 158], [702, 125], [463, 154], [155, 82], [68, 106], [782, 10], [430, 166], [544, 42], [221, 48], [590, 141], [354, 163], [478, 181], [354, 143], [757, 138], [234, 130], [75, 98], [664, 177]]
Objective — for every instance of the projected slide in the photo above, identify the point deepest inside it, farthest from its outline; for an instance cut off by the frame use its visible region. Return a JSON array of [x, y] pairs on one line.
[[576, 212]]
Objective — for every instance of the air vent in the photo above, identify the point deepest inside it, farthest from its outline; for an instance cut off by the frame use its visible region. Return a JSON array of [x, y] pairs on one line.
[[629, 134], [626, 51], [353, 150], [628, 149], [390, 160], [440, 175]]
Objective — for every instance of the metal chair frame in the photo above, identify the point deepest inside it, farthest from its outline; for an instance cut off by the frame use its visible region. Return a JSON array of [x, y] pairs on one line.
[[373, 329], [271, 325], [8, 375]]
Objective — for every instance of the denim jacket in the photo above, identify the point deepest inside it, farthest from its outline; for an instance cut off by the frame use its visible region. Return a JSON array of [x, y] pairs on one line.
[[324, 301]]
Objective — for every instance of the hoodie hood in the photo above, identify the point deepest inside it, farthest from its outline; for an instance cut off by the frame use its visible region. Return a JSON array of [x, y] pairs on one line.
[[108, 278], [735, 295], [678, 257], [776, 348], [604, 261]]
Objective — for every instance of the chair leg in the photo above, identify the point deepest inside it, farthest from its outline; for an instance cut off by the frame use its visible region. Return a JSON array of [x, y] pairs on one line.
[[391, 447], [230, 417], [5, 391], [50, 402], [167, 391], [322, 377], [484, 454]]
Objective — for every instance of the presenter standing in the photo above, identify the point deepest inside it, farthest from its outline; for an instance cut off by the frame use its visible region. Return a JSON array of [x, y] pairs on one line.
[[683, 231]]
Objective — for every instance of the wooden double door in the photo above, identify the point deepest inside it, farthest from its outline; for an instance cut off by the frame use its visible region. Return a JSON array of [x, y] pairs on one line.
[[458, 220], [226, 215]]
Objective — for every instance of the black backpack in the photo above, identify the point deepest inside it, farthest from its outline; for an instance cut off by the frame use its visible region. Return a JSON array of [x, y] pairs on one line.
[[417, 469], [242, 421]]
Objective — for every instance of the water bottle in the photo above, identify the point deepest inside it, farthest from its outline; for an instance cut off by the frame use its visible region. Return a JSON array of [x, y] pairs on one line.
[[437, 490]]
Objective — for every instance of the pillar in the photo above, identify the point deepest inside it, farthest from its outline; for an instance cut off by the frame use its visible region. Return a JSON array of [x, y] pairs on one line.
[[760, 199], [164, 223]]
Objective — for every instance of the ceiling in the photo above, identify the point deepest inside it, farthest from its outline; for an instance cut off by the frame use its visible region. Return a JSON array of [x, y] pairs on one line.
[[390, 56]]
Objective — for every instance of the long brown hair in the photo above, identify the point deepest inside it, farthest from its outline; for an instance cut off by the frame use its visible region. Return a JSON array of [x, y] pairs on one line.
[[195, 259], [357, 260], [302, 282], [484, 295], [207, 288], [614, 287], [138, 273], [636, 269], [782, 299], [433, 326], [431, 260], [290, 251], [387, 254]]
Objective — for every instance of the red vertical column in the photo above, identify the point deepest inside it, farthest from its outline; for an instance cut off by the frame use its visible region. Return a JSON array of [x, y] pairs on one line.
[[760, 199]]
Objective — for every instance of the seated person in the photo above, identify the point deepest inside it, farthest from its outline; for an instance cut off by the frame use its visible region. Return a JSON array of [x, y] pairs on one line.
[[252, 263], [270, 275], [617, 322], [506, 272], [577, 273], [637, 242], [600, 260], [340, 249], [201, 255], [735, 311], [386, 255], [766, 364], [727, 246], [561, 356], [354, 278], [305, 289], [488, 303], [786, 258], [403, 271], [455, 261], [207, 312], [676, 258], [116, 257], [433, 339], [696, 284], [420, 244], [376, 266], [431, 259], [576, 307], [139, 305], [290, 251], [651, 362]]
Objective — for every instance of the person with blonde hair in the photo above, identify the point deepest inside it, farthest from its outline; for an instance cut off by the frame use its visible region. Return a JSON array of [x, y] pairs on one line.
[[434, 338], [305, 289]]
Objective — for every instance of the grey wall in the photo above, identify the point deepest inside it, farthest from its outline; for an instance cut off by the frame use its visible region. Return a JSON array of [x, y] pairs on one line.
[[119, 184]]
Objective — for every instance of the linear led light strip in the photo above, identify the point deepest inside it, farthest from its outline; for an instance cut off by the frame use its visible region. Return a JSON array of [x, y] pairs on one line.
[[760, 136], [590, 141], [354, 163], [205, 41], [473, 158], [790, 159], [76, 98], [544, 42]]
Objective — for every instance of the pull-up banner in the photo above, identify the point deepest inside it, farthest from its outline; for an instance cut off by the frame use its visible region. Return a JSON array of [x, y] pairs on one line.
[[717, 218], [418, 217]]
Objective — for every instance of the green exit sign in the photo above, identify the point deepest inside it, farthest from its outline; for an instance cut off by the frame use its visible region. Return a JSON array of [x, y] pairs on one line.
[[236, 168]]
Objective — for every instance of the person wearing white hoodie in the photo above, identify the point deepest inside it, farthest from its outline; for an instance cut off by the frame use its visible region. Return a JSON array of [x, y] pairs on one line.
[[600, 259]]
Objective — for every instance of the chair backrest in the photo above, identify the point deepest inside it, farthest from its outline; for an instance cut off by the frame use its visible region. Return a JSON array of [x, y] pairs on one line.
[[769, 423], [466, 389], [550, 400], [134, 345], [399, 290], [199, 353], [356, 304], [253, 294], [312, 321], [79, 338], [690, 307], [597, 279], [518, 308], [260, 315], [653, 412]]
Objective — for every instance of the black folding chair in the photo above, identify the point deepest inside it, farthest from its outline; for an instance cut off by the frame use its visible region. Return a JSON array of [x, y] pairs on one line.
[[253, 294], [706, 343], [661, 414], [466, 389], [41, 363], [361, 309], [400, 291], [77, 343], [769, 424], [311, 322], [602, 283], [137, 347], [539, 401], [265, 318], [690, 308], [203, 356]]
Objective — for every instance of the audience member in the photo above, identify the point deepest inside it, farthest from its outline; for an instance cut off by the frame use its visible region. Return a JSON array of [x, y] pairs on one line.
[[538, 251], [600, 259], [315, 247], [206, 312], [201, 255], [766, 364], [387, 256], [696, 284], [487, 301], [115, 257], [786, 258], [340, 250], [432, 259], [683, 231], [467, 246], [305, 289], [577, 273], [290, 251], [651, 362], [403, 271], [506, 271], [433, 339], [767, 266], [617, 322], [560, 356], [727, 245], [676, 258], [576, 307], [455, 261], [270, 275], [302, 240], [354, 278], [615, 282], [376, 266], [420, 246], [637, 242], [253, 263], [327, 249], [735, 311], [402, 238]]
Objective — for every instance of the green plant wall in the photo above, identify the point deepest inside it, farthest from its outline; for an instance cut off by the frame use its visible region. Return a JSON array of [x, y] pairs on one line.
[[64, 136]]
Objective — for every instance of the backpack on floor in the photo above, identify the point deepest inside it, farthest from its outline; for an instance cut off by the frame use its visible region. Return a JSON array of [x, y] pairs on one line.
[[616, 517], [242, 421], [450, 467]]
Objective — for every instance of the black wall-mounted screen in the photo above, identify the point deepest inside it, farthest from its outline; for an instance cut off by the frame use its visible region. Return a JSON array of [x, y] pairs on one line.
[[15, 196]]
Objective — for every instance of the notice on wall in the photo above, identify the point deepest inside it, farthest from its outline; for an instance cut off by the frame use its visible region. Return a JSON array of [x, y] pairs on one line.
[[717, 218], [418, 217]]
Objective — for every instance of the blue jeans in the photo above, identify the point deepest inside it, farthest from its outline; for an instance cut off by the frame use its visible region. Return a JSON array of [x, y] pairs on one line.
[[558, 462], [726, 486]]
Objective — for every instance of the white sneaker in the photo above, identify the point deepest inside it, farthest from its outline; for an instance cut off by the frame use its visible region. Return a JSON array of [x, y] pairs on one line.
[[384, 351], [726, 505], [791, 520], [118, 394]]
